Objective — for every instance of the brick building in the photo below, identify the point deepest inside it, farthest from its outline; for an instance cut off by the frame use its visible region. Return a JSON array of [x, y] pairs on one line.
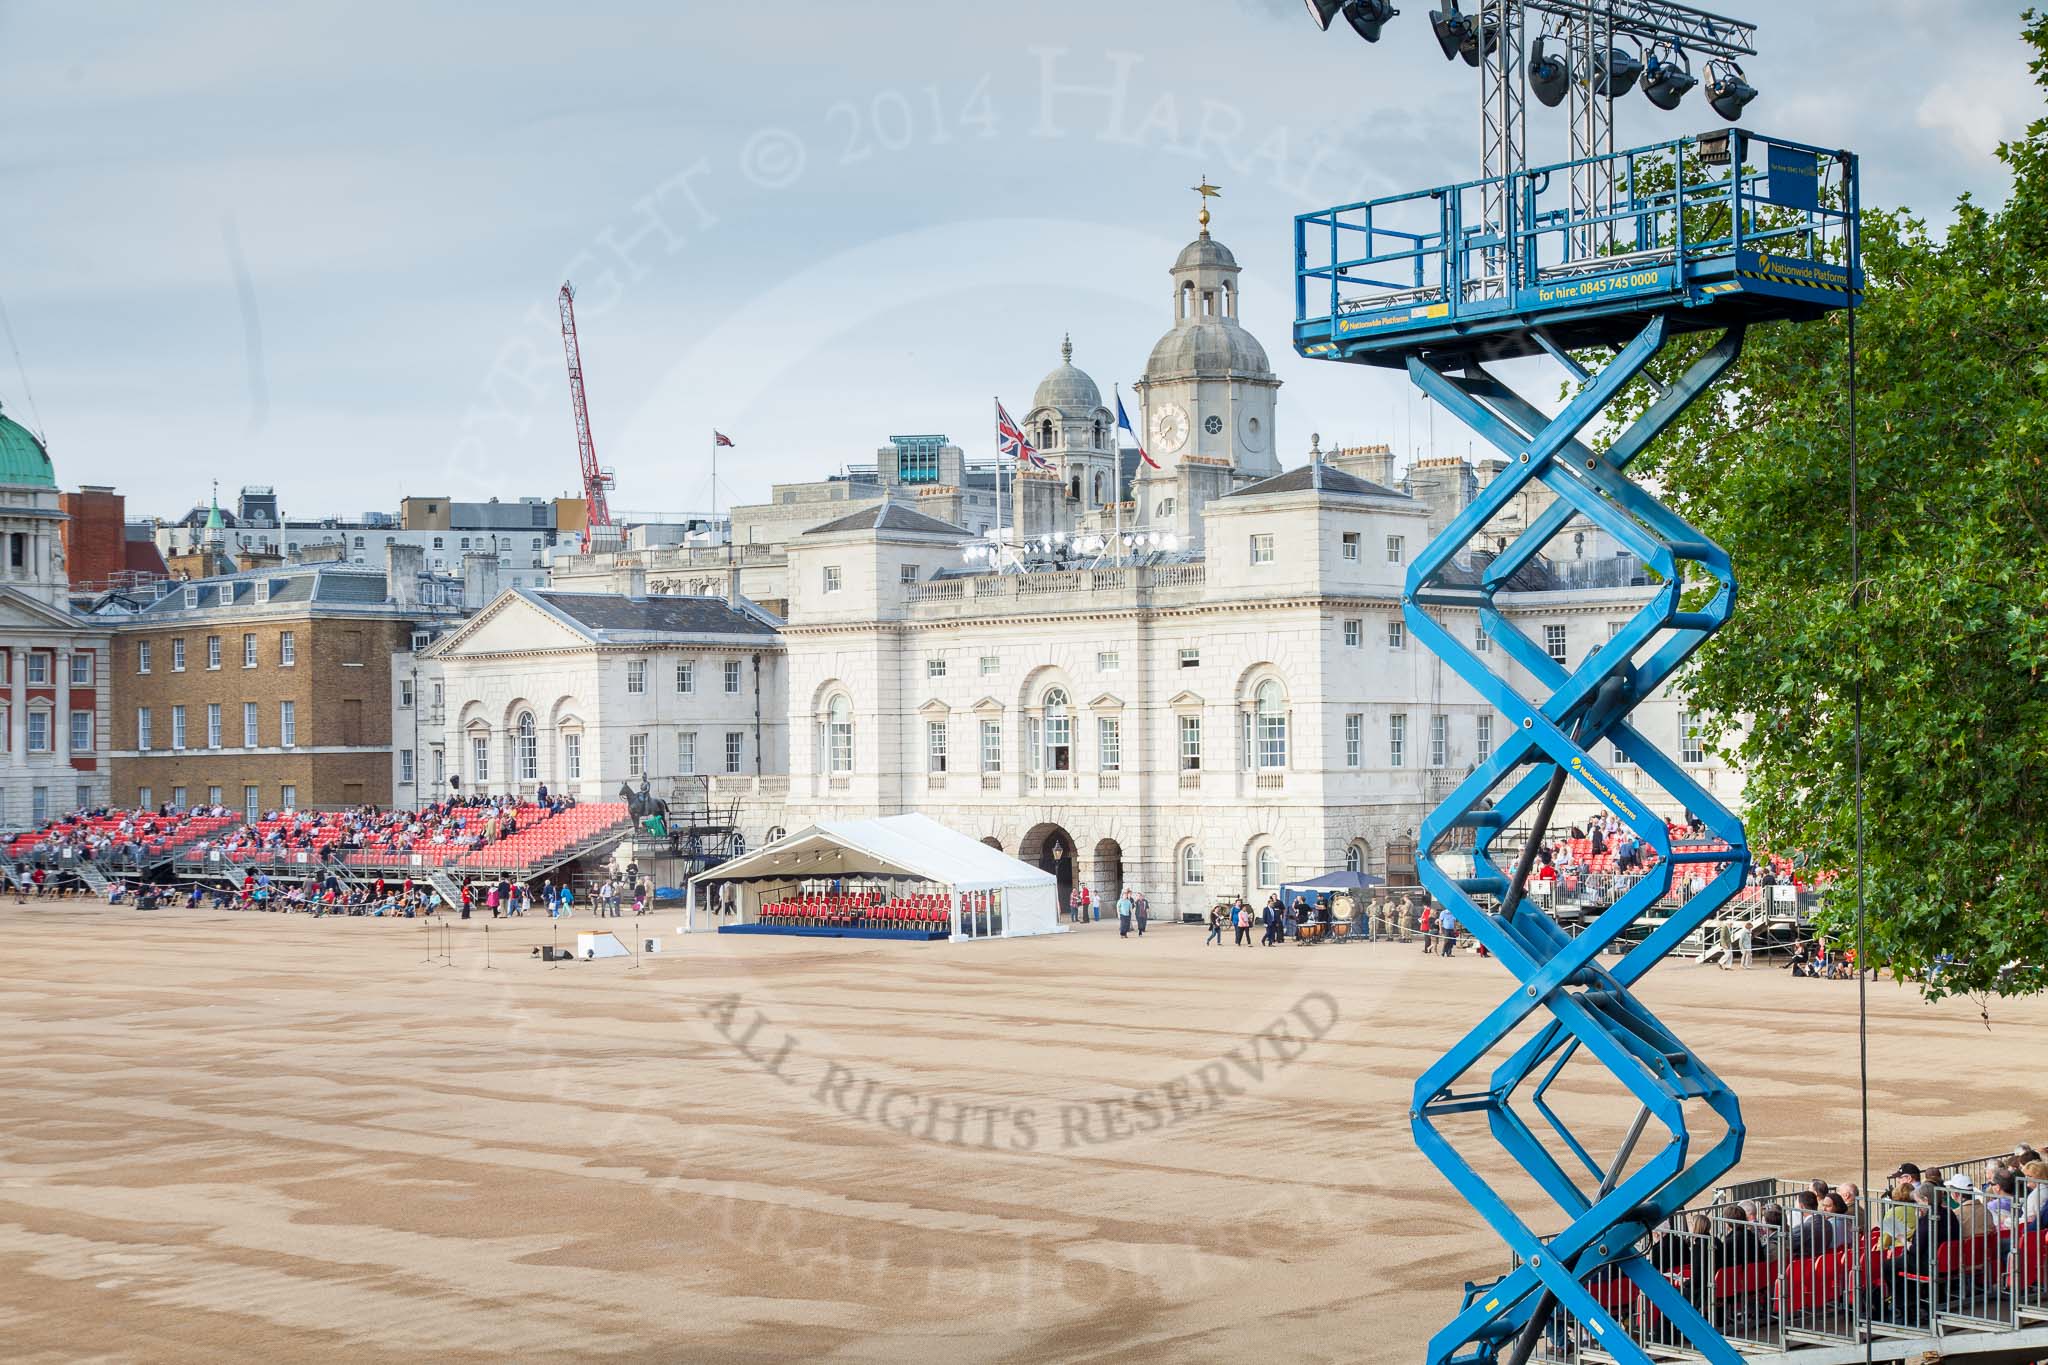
[[269, 689]]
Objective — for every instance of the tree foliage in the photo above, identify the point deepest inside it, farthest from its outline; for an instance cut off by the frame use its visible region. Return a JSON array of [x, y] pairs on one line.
[[1947, 630]]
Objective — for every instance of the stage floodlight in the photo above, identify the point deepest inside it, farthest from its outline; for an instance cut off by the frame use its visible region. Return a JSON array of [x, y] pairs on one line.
[[1667, 78], [1550, 75], [1367, 16], [1450, 28], [1615, 74], [1728, 94], [1323, 11]]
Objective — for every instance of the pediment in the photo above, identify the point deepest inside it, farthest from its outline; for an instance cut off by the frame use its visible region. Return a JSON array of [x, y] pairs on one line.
[[1186, 701], [1108, 701], [988, 706], [934, 707], [513, 624]]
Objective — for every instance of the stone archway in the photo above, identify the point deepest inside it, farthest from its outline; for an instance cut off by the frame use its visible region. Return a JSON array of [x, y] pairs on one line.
[[992, 842], [1051, 848], [1106, 873]]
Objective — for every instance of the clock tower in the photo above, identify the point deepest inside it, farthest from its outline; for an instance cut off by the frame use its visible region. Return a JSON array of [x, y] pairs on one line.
[[1208, 389]]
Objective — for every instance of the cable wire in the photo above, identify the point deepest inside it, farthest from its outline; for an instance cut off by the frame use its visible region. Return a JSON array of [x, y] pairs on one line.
[[1856, 724], [34, 414]]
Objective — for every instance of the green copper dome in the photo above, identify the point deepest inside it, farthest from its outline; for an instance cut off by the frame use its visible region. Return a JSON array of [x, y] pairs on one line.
[[22, 457]]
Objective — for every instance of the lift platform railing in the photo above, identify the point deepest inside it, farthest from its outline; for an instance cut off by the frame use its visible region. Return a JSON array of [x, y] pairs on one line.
[[1675, 214]]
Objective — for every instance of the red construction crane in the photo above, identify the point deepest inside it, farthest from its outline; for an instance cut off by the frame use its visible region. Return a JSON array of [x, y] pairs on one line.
[[595, 480]]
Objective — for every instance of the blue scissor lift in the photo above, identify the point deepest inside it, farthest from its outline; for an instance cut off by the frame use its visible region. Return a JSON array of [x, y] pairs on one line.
[[1711, 233]]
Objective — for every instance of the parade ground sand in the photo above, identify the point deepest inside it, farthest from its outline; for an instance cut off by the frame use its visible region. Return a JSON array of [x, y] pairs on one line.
[[244, 1137]]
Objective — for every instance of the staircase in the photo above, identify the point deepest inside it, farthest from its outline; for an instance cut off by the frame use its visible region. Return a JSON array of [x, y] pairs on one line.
[[90, 874], [450, 891], [1710, 942]]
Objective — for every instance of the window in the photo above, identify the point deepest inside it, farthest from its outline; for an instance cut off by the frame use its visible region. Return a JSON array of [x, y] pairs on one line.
[[1482, 747], [177, 727], [1397, 635], [81, 732], [213, 725], [1108, 661], [1351, 545], [735, 749], [526, 744], [686, 678], [686, 752], [636, 755], [1190, 744], [1059, 732], [636, 677], [572, 757], [142, 732], [38, 732], [81, 670], [1271, 726], [1354, 634], [1262, 548], [935, 668], [1553, 642], [178, 656], [991, 663], [262, 591], [1191, 866], [906, 574], [38, 669], [1439, 740], [479, 758], [249, 726], [178, 797], [437, 696], [1397, 549], [1267, 868], [288, 796], [191, 599], [831, 578], [142, 653], [1109, 743], [287, 723], [405, 767], [287, 648], [213, 795], [405, 692], [213, 651], [1191, 658], [1397, 740], [935, 746], [145, 797], [991, 746], [839, 736], [1692, 744], [248, 651], [1354, 859], [1354, 739], [1482, 643], [732, 677]]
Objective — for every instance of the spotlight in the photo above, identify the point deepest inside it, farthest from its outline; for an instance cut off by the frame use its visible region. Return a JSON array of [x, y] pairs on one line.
[[1549, 74], [1728, 94], [1454, 31], [1367, 16], [1616, 75], [1668, 78], [1323, 11]]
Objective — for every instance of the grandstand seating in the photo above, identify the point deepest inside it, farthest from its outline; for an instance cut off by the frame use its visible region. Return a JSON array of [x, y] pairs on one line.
[[158, 834], [927, 911], [538, 838]]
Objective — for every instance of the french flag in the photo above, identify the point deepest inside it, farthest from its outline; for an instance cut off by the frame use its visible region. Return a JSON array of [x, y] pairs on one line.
[[1123, 424]]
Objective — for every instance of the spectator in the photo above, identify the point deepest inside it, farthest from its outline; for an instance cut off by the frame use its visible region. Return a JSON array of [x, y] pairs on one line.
[[1215, 927], [1141, 909]]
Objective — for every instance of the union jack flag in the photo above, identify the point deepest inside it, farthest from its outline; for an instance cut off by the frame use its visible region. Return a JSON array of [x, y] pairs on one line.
[[1010, 441]]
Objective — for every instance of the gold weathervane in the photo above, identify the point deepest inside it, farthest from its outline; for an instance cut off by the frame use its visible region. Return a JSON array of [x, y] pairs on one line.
[[1208, 192]]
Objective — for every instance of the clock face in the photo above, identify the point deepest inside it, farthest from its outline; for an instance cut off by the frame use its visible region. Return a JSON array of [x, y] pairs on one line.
[[1170, 428], [1213, 424]]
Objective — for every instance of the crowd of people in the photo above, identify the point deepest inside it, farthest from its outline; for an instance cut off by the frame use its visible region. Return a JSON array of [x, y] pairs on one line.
[[113, 837], [464, 824]]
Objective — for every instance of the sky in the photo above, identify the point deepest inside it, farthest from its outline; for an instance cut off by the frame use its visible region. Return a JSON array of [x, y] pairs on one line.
[[317, 247]]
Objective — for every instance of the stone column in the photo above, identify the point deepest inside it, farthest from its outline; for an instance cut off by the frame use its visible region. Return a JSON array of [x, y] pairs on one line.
[[17, 711], [60, 743]]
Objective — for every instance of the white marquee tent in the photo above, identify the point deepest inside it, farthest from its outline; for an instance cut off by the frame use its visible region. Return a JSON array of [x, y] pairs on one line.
[[902, 847]]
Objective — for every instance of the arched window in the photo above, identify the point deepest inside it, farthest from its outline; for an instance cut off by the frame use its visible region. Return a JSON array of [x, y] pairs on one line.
[[1270, 725], [1045, 434], [1187, 299], [1074, 488], [528, 749], [1059, 732], [1098, 433], [1354, 859], [1191, 865], [838, 736], [1268, 868], [1229, 300], [1101, 490]]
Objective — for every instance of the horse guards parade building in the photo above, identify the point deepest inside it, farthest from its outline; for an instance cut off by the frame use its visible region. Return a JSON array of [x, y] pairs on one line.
[[1202, 691]]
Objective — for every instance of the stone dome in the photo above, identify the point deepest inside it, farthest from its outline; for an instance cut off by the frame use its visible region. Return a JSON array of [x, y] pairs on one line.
[[1204, 251], [1067, 388], [1208, 346], [22, 457]]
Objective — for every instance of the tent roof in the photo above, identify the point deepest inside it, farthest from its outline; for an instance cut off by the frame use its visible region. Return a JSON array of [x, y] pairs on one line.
[[890, 846], [1335, 881]]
